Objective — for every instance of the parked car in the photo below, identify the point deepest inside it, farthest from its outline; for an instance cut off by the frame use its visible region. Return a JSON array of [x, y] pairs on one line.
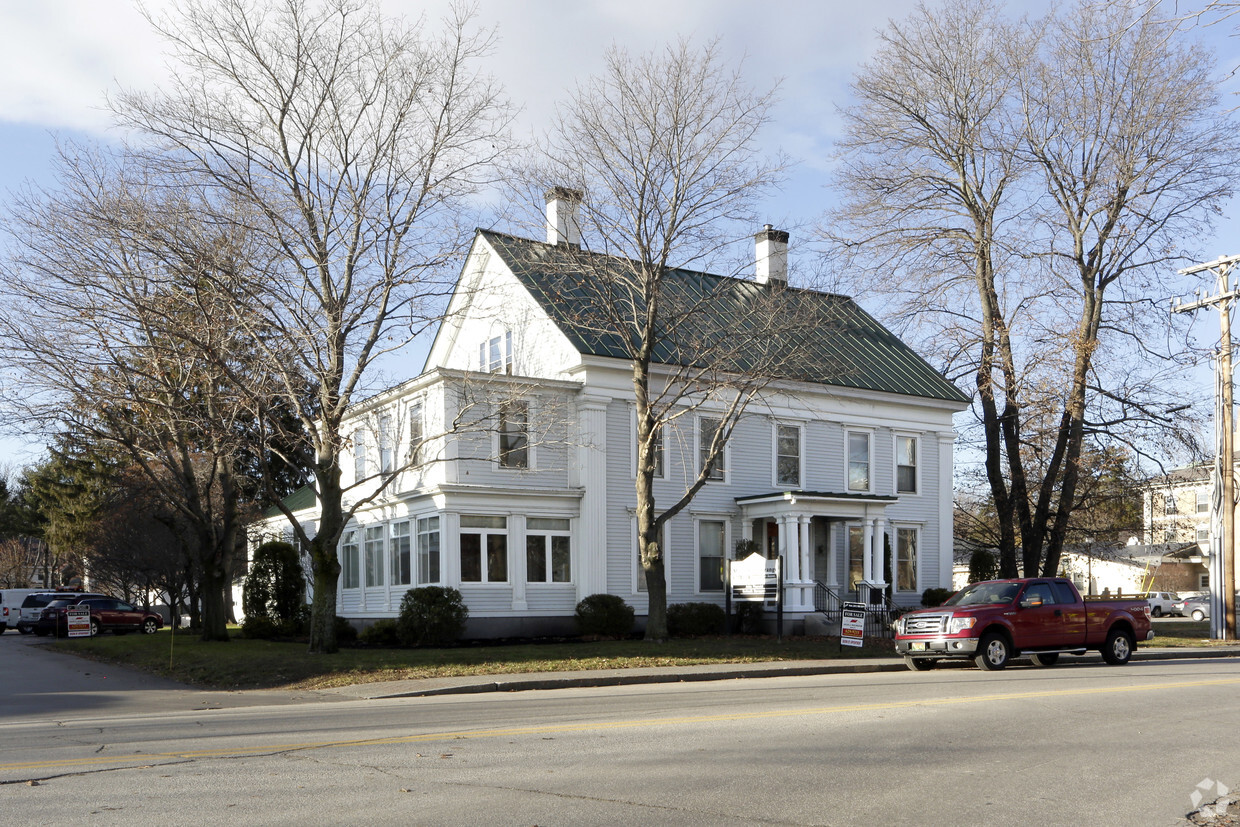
[[107, 614], [34, 604], [1198, 607], [11, 605], [1162, 603]]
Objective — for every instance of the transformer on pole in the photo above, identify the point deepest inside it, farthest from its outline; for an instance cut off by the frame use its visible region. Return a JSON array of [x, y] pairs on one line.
[[1223, 502]]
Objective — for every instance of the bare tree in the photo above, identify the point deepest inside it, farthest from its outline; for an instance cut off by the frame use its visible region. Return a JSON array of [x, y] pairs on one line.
[[1022, 203], [353, 141], [110, 309], [664, 148]]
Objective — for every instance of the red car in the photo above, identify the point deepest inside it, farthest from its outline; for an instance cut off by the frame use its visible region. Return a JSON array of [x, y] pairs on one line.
[[106, 614]]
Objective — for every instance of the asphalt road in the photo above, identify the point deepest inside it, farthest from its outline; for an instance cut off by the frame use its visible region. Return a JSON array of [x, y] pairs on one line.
[[1077, 744]]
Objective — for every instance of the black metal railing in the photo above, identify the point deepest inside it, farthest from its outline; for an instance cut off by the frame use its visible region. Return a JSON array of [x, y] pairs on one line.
[[878, 617]]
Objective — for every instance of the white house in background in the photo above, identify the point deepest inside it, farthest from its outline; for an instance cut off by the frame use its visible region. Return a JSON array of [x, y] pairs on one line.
[[847, 477]]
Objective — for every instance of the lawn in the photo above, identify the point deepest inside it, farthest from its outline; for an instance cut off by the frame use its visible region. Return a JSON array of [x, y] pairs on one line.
[[262, 664]]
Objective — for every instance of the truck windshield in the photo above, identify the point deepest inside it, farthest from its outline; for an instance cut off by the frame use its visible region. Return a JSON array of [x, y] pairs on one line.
[[981, 594]]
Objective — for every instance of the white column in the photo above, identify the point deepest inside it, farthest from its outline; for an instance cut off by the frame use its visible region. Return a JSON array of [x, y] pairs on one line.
[[806, 548], [944, 536], [867, 552], [880, 557], [832, 555], [791, 546], [516, 560]]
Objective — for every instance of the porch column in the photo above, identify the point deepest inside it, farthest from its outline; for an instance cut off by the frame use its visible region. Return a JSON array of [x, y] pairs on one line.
[[790, 538], [803, 524], [832, 554], [880, 557], [867, 552]]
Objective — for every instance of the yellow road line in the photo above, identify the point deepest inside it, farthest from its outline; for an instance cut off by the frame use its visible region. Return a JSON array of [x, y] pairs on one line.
[[156, 758]]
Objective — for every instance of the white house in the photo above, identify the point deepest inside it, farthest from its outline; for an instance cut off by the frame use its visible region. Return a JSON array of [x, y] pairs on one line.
[[522, 426]]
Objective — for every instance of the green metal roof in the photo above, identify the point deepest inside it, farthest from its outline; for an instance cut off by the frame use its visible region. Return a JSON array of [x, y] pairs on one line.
[[786, 332], [303, 497]]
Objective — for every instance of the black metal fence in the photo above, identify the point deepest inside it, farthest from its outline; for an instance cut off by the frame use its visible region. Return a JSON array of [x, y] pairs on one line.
[[878, 616]]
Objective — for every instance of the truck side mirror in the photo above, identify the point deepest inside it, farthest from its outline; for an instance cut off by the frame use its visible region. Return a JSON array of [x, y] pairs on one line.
[[1031, 601]]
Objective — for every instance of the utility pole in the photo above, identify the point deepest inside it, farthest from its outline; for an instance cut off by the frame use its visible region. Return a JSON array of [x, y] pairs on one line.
[[1223, 623]]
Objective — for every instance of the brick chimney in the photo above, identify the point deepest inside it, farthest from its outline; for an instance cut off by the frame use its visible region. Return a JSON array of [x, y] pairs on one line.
[[562, 226], [771, 253]]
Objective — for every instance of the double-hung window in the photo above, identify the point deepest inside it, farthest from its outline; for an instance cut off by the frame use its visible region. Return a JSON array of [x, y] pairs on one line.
[[906, 465], [428, 551], [495, 354], [401, 554], [788, 455], [906, 559], [1203, 501], [858, 461], [416, 433], [484, 549], [373, 555], [714, 467], [711, 534], [1170, 504], [349, 559], [514, 434], [387, 452], [359, 455], [548, 550]]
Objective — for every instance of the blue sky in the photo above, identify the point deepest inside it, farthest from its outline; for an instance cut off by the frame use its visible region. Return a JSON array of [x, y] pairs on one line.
[[59, 59]]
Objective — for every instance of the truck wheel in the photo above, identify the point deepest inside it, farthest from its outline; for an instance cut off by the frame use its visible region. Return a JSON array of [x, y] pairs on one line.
[[920, 664], [1044, 658], [1118, 648], [993, 652]]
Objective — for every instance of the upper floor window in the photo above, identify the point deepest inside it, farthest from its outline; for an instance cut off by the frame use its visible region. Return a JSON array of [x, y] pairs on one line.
[[416, 434], [906, 465], [359, 455], [387, 452], [788, 455], [495, 354], [656, 448], [1170, 504], [1203, 501], [858, 461], [707, 430], [514, 434]]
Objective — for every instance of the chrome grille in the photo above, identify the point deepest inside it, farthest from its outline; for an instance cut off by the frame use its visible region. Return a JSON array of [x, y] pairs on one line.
[[925, 624]]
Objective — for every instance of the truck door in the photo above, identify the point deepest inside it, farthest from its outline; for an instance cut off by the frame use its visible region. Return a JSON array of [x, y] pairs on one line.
[[1037, 621], [1073, 613]]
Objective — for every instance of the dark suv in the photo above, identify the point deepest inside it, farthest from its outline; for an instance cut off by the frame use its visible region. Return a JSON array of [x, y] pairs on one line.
[[106, 614]]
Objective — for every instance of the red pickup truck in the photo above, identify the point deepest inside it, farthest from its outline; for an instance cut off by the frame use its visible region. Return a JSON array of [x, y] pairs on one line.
[[994, 621]]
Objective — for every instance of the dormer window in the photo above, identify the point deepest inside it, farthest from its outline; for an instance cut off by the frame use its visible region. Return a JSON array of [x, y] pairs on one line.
[[495, 354]]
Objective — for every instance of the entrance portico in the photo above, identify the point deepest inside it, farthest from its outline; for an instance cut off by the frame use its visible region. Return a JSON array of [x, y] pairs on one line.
[[802, 529]]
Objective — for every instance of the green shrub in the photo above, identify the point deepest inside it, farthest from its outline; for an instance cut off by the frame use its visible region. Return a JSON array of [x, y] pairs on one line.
[[346, 632], [748, 617], [695, 619], [935, 597], [982, 565], [275, 586], [296, 624], [604, 615], [382, 633], [259, 627], [431, 616]]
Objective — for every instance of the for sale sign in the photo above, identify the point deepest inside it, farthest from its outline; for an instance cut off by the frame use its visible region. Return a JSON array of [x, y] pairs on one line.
[[852, 625], [78, 618]]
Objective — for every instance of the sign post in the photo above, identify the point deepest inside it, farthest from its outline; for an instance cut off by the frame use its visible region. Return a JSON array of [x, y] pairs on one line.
[[758, 580], [852, 625]]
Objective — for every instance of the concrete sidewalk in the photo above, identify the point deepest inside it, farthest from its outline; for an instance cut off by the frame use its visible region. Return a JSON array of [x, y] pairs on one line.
[[706, 672]]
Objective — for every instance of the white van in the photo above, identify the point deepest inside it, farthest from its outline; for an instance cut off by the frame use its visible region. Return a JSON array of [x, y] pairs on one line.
[[11, 606]]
